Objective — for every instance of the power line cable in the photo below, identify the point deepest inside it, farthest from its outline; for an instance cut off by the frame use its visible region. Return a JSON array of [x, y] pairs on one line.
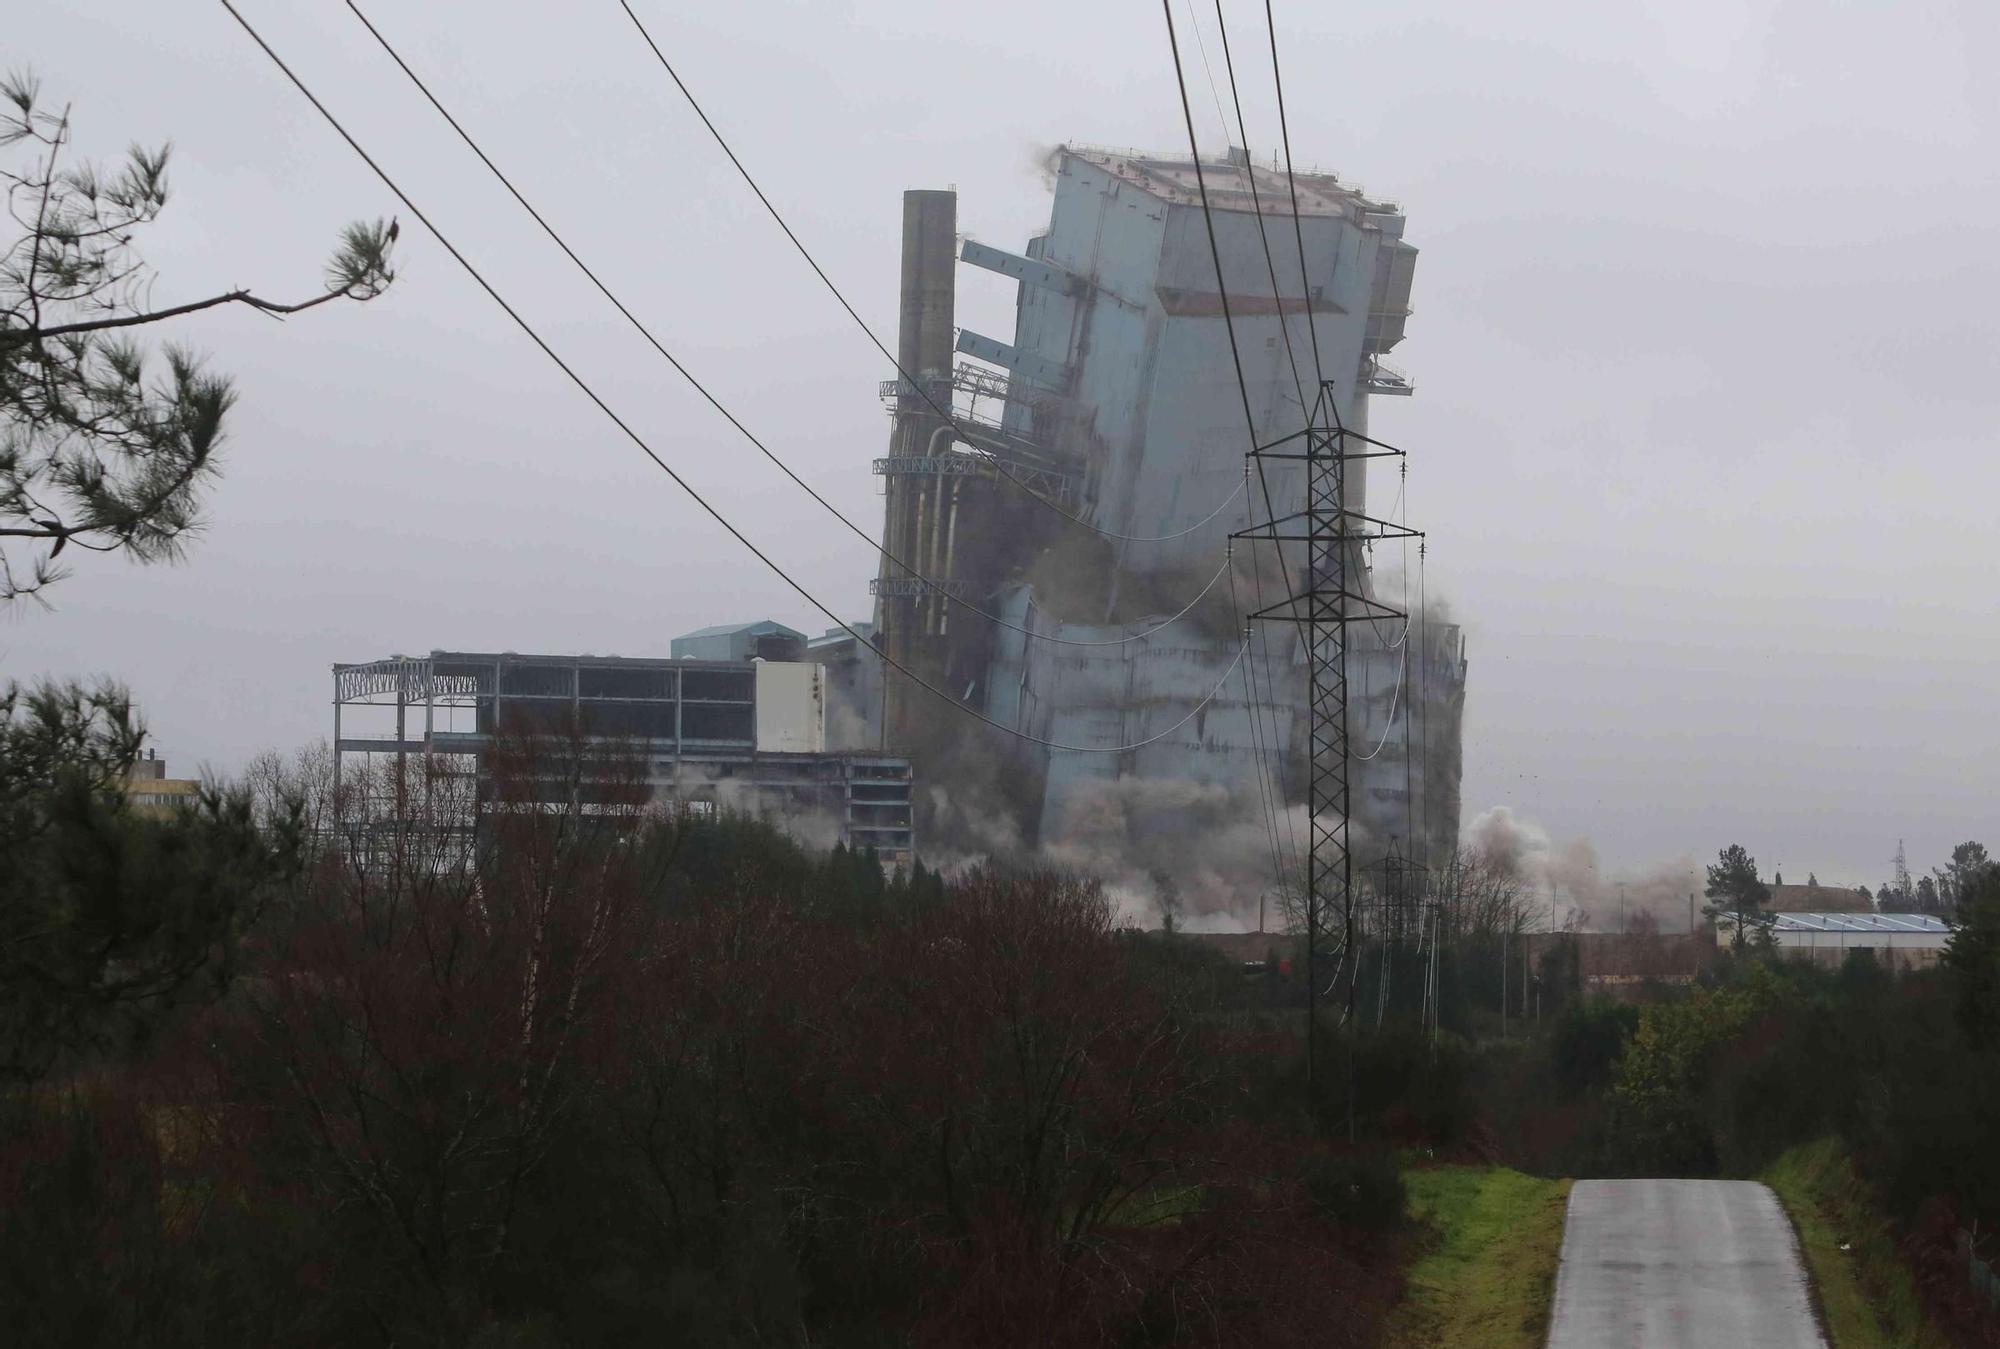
[[1402, 668], [1270, 263], [1202, 47], [908, 381], [1266, 790], [1228, 320], [680, 369], [1278, 753], [662, 464], [1423, 697], [1298, 229], [1266, 787], [1299, 233], [1229, 326], [1270, 266], [1257, 206], [1214, 251], [1275, 765], [1409, 776]]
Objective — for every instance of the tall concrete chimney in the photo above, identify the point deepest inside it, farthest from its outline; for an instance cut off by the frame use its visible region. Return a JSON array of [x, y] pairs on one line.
[[924, 336], [919, 507]]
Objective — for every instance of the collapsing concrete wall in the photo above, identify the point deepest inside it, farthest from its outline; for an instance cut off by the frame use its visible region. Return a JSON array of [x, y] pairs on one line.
[[1120, 405]]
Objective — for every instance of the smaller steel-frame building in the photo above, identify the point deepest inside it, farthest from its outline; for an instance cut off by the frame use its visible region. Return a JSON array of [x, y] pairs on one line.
[[1904, 940], [732, 735]]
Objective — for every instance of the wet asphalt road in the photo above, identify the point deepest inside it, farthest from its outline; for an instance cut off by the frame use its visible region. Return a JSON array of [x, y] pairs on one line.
[[1680, 1264]]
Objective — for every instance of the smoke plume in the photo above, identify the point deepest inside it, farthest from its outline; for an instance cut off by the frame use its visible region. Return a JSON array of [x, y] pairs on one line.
[[1569, 876]]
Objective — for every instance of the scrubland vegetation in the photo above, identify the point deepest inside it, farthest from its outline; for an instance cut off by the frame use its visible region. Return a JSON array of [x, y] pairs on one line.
[[603, 1075]]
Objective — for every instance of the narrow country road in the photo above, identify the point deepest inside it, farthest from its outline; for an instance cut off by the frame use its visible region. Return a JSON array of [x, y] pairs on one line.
[[1680, 1264]]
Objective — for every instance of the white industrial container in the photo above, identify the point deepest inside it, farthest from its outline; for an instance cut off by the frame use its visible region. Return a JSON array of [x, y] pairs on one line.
[[791, 707]]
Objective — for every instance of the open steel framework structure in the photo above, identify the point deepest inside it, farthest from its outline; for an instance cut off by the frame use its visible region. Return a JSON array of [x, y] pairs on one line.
[[691, 725]]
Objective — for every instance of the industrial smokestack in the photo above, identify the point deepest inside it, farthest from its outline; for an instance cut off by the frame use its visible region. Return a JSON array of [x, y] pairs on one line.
[[924, 337], [920, 508]]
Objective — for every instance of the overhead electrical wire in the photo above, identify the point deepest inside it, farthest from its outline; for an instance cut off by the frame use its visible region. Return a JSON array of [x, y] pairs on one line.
[[647, 333], [1267, 790], [1312, 328], [1229, 328], [1272, 766], [1299, 235], [1270, 262], [1284, 329], [1214, 250], [1228, 320], [1284, 786], [1257, 206], [1395, 697], [908, 381], [1236, 360], [1202, 47], [1423, 699], [1409, 710], [646, 449], [1291, 182]]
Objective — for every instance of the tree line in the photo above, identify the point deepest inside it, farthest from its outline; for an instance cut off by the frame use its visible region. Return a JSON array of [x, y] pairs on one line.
[[288, 1066]]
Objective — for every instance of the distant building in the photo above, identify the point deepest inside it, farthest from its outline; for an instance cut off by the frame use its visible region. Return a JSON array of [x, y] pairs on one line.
[[1816, 899], [740, 735], [1898, 940], [1622, 965], [766, 639], [151, 791]]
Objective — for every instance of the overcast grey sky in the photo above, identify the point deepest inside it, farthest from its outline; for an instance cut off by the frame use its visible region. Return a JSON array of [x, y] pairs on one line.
[[1704, 344]]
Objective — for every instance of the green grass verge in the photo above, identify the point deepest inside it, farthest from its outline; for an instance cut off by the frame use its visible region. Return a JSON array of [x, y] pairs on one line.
[[1488, 1273], [1866, 1295]]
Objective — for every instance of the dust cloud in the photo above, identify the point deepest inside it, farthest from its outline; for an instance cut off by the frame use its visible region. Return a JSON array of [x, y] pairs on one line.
[[1572, 882]]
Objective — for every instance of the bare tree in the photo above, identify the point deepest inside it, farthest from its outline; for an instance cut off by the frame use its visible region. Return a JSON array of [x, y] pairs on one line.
[[96, 449], [425, 1008]]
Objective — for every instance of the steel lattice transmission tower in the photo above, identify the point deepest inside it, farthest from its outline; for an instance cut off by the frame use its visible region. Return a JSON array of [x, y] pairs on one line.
[[1333, 596]]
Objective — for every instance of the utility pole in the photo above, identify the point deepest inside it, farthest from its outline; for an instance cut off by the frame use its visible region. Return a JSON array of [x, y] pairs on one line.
[[1332, 537], [1621, 908]]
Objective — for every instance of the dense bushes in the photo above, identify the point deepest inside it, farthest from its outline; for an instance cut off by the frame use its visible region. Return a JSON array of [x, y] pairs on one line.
[[1357, 1189], [636, 1080], [111, 917], [1586, 1041]]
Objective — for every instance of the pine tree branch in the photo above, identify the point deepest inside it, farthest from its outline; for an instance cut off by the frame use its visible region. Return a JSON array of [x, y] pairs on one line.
[[22, 336]]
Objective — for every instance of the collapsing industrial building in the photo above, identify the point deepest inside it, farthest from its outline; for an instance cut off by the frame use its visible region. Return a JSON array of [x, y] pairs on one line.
[[1081, 483]]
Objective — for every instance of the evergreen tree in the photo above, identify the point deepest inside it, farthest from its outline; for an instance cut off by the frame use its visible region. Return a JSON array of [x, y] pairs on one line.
[[1736, 892], [95, 448], [110, 917], [1968, 862], [1973, 957]]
